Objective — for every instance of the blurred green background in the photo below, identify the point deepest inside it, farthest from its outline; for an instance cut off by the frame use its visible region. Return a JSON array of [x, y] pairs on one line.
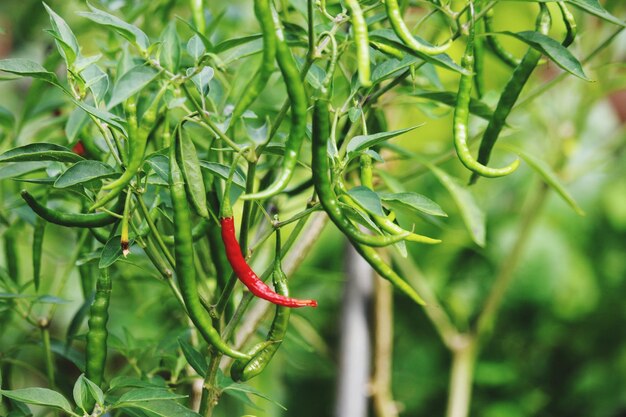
[[558, 347]]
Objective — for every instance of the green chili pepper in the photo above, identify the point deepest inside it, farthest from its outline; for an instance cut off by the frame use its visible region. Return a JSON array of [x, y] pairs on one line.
[[38, 234], [479, 61], [385, 223], [262, 353], [138, 138], [461, 118], [402, 31], [511, 93], [11, 253], [323, 185], [124, 238], [297, 96], [197, 10], [570, 24], [252, 90], [494, 44], [87, 271], [197, 232], [185, 270], [361, 39], [97, 334], [72, 219]]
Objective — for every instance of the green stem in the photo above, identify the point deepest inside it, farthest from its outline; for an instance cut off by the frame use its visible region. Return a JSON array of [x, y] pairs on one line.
[[488, 315], [154, 231], [461, 376], [47, 350], [203, 114]]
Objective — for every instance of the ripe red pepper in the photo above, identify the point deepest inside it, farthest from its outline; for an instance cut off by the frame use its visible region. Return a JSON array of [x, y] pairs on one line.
[[247, 275], [79, 148]]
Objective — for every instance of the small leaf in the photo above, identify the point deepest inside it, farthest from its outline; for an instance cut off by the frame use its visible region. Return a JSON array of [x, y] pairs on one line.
[[388, 37], [111, 252], [195, 359], [222, 171], [17, 169], [65, 35], [190, 166], [148, 394], [27, 68], [195, 47], [368, 199], [75, 123], [130, 382], [40, 152], [170, 52], [128, 31], [415, 201], [473, 216], [201, 80], [553, 50], [84, 171], [550, 178], [97, 81], [105, 116], [40, 396], [362, 142], [232, 43], [161, 408], [130, 83], [161, 165], [476, 107]]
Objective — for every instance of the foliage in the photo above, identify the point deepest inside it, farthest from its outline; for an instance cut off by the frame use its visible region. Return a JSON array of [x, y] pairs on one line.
[[523, 292]]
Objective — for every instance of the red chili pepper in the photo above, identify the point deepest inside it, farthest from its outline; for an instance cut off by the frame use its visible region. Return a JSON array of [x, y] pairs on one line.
[[79, 148], [247, 275]]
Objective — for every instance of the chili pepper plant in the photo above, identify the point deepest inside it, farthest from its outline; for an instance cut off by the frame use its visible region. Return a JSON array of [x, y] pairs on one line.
[[163, 153]]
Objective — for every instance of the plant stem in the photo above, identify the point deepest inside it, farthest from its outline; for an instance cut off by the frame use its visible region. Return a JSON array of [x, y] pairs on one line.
[[154, 231], [382, 395], [47, 350], [461, 375], [488, 315]]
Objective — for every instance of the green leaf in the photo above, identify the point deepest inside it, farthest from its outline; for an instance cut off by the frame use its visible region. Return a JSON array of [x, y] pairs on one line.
[[131, 83], [84, 171], [27, 68], [161, 165], [195, 359], [195, 47], [472, 215], [233, 43], [84, 391], [476, 107], [97, 81], [222, 171], [105, 116], [246, 389], [362, 142], [368, 199], [111, 252], [170, 44], [148, 394], [130, 382], [201, 80], [594, 7], [190, 166], [388, 37], [389, 67], [75, 124], [70, 48], [17, 169], [128, 31], [416, 202], [552, 49], [550, 178], [162, 408], [590, 6], [40, 152], [40, 396], [208, 45]]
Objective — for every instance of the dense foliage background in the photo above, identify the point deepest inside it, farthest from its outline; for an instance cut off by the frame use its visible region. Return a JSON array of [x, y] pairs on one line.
[[557, 347]]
